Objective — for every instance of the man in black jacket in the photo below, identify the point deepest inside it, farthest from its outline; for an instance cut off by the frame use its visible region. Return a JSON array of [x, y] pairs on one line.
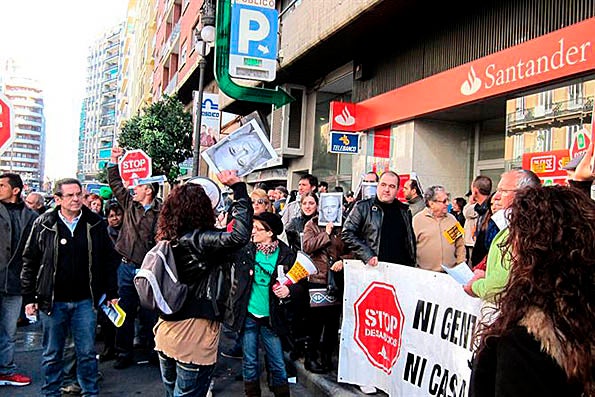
[[68, 265], [136, 238], [15, 224], [379, 228]]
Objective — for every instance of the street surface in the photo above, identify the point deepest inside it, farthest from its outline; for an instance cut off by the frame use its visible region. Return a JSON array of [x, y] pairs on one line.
[[138, 380]]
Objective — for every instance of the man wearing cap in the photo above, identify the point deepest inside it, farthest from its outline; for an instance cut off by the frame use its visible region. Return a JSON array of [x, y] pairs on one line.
[[136, 238]]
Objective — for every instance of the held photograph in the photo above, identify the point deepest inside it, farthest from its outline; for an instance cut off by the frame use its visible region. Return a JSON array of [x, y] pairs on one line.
[[243, 150], [331, 209], [369, 189]]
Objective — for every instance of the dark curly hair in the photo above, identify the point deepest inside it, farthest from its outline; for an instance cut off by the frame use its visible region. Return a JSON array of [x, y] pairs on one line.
[[552, 249], [185, 209]]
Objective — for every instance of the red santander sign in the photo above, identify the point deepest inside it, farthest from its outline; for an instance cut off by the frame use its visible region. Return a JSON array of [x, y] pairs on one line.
[[7, 132], [379, 325], [135, 164]]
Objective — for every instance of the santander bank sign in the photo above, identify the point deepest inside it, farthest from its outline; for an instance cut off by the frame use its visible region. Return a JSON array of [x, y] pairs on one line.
[[555, 56], [498, 74]]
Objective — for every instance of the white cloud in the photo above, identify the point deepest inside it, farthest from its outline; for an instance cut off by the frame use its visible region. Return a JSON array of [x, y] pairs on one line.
[[51, 40]]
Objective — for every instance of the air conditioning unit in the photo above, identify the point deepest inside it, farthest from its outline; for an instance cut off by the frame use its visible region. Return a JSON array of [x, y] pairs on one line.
[[288, 124]]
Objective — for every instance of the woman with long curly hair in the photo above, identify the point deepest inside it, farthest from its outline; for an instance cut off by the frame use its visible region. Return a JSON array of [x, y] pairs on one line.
[[187, 340], [542, 342]]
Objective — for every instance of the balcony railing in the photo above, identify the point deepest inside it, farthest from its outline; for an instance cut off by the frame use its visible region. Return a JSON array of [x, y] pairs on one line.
[[171, 41], [558, 111]]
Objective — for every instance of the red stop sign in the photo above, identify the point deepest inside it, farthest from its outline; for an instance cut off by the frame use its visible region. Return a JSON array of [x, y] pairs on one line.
[[379, 325], [7, 131], [135, 164]]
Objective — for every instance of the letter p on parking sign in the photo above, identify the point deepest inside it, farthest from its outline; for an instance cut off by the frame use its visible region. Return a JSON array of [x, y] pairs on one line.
[[253, 41]]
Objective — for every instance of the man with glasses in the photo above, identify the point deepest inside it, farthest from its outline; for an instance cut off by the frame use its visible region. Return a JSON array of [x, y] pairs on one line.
[[438, 235], [68, 264], [486, 284], [16, 221]]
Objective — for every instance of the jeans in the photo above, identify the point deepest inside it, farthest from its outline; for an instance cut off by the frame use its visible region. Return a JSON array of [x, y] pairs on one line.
[[10, 308], [253, 329], [184, 380], [80, 318], [129, 302]]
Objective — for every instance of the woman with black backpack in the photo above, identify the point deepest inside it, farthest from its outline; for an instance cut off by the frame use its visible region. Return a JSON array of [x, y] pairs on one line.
[[187, 340]]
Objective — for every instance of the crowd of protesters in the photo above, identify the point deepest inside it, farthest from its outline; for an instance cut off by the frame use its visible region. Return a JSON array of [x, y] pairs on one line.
[[530, 248]]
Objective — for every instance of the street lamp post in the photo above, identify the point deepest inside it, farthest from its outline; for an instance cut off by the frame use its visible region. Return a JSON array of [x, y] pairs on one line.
[[204, 37]]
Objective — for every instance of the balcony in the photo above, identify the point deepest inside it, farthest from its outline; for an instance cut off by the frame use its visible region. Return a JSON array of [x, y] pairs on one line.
[[171, 41], [171, 87], [559, 114]]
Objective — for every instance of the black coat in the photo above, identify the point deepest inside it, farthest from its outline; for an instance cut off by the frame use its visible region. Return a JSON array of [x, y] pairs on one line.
[[516, 364], [40, 259], [204, 260], [362, 229], [11, 262], [278, 307]]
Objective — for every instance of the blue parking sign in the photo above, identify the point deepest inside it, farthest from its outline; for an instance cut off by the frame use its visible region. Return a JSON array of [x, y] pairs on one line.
[[253, 42]]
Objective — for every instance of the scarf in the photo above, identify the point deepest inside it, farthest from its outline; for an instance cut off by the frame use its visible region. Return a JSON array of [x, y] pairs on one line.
[[267, 249]]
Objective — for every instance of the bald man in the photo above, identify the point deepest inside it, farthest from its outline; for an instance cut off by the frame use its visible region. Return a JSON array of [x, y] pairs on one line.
[[35, 201]]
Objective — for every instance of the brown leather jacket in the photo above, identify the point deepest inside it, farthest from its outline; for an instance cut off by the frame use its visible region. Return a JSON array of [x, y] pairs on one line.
[[323, 249], [137, 235]]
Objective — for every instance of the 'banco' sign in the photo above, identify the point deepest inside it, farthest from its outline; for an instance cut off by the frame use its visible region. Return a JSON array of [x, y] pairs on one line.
[[253, 49], [344, 142]]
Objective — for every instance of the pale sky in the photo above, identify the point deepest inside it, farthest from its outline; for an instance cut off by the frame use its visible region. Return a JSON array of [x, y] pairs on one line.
[[50, 39]]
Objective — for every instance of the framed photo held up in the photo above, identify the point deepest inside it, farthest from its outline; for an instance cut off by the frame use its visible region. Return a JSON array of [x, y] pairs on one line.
[[244, 150], [331, 209]]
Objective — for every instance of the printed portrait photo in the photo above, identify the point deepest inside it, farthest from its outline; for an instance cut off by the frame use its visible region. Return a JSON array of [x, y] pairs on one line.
[[368, 190], [331, 209], [243, 150]]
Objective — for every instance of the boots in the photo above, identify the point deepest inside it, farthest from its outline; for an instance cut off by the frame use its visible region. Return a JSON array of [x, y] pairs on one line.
[[280, 391], [327, 361], [311, 361], [252, 389]]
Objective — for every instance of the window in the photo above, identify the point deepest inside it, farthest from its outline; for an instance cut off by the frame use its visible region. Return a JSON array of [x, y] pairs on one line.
[[183, 55], [545, 101], [543, 142], [575, 95]]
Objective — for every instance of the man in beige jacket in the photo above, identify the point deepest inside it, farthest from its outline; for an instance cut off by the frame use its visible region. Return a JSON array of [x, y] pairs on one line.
[[439, 236]]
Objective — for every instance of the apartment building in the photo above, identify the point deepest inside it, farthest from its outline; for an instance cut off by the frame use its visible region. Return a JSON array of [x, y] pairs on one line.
[[26, 154], [98, 114]]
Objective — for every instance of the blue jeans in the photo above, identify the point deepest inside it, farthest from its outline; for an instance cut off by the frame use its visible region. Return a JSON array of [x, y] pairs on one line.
[[130, 303], [184, 380], [10, 308], [80, 318], [272, 347]]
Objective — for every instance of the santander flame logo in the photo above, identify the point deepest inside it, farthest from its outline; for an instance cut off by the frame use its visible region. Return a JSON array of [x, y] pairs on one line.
[[472, 84], [345, 118]]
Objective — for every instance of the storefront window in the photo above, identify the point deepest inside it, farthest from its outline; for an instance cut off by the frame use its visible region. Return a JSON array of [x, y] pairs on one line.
[[336, 169]]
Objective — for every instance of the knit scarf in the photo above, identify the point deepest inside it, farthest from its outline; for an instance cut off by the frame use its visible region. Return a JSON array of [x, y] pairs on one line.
[[267, 249]]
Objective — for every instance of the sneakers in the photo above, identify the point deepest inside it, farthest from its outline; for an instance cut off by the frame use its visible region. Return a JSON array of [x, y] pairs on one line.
[[233, 353], [366, 389], [72, 388], [14, 380]]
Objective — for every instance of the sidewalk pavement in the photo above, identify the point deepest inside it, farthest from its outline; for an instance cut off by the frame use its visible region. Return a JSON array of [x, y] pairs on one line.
[[144, 379]]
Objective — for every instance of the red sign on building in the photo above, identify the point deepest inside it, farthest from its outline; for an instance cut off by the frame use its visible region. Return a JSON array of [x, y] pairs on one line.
[[379, 325], [7, 131], [135, 164], [548, 165], [580, 143], [343, 117]]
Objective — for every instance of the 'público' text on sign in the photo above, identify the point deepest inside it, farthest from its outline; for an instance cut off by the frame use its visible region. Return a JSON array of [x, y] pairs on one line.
[[253, 40], [344, 142]]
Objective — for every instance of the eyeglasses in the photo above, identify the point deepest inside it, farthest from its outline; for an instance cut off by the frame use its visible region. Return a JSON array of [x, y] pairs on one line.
[[260, 201], [260, 229], [445, 201]]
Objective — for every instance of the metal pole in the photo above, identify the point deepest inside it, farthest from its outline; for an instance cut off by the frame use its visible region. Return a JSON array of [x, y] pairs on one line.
[[201, 77]]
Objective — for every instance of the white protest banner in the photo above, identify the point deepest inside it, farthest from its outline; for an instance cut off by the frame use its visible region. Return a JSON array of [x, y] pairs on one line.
[[406, 331]]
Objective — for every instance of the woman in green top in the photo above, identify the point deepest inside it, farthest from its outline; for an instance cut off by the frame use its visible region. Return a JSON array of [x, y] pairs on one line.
[[263, 308]]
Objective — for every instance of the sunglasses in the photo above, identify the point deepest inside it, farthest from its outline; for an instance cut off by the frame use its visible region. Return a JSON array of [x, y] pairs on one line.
[[260, 201]]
